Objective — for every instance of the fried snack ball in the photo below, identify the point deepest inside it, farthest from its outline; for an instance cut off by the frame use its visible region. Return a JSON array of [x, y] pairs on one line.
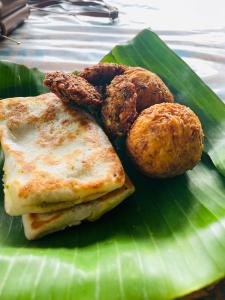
[[119, 107], [102, 73], [165, 140], [72, 88], [147, 89], [150, 88]]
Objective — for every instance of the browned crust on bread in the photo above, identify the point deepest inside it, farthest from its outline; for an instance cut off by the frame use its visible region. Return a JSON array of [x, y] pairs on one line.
[[46, 170]]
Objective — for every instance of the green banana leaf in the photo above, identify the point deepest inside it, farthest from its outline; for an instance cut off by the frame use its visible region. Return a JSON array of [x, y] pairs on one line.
[[20, 81], [164, 242]]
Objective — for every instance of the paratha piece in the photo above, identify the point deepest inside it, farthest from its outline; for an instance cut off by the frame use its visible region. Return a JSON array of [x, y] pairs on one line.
[[55, 156], [38, 225]]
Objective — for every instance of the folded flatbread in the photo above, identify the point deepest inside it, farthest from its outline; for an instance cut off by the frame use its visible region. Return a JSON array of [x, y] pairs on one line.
[[55, 156], [38, 225]]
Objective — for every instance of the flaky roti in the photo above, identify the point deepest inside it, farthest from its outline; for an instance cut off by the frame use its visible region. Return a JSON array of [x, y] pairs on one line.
[[38, 225], [55, 156]]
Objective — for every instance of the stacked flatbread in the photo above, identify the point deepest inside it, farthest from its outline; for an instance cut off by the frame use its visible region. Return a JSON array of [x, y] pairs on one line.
[[59, 168]]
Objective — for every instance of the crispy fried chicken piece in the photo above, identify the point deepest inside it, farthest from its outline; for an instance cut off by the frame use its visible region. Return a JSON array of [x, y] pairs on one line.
[[69, 87], [119, 107], [102, 73]]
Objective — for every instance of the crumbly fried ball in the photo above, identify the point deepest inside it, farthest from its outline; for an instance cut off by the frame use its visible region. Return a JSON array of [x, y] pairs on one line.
[[165, 140], [119, 107], [150, 88], [69, 87], [102, 73]]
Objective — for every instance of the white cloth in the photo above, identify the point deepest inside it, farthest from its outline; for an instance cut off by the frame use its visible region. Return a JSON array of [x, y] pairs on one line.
[[195, 30]]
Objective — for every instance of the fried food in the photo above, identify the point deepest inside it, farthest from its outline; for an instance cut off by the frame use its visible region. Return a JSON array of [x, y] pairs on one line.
[[122, 91], [119, 107], [165, 140], [72, 88], [102, 73], [129, 94], [150, 88]]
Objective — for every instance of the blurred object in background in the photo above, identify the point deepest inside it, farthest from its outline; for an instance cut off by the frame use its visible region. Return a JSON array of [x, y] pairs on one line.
[[7, 6], [12, 14], [76, 8]]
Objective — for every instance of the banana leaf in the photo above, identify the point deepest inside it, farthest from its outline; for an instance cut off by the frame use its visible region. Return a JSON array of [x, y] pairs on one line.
[[164, 242], [20, 81]]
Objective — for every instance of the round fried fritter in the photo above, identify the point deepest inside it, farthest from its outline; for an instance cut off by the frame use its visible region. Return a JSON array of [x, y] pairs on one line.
[[149, 87], [165, 140], [69, 87], [102, 73], [119, 107]]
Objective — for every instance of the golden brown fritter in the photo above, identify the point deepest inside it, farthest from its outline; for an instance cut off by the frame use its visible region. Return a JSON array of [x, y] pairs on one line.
[[72, 88], [150, 88], [102, 73], [119, 107], [165, 140], [129, 91]]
